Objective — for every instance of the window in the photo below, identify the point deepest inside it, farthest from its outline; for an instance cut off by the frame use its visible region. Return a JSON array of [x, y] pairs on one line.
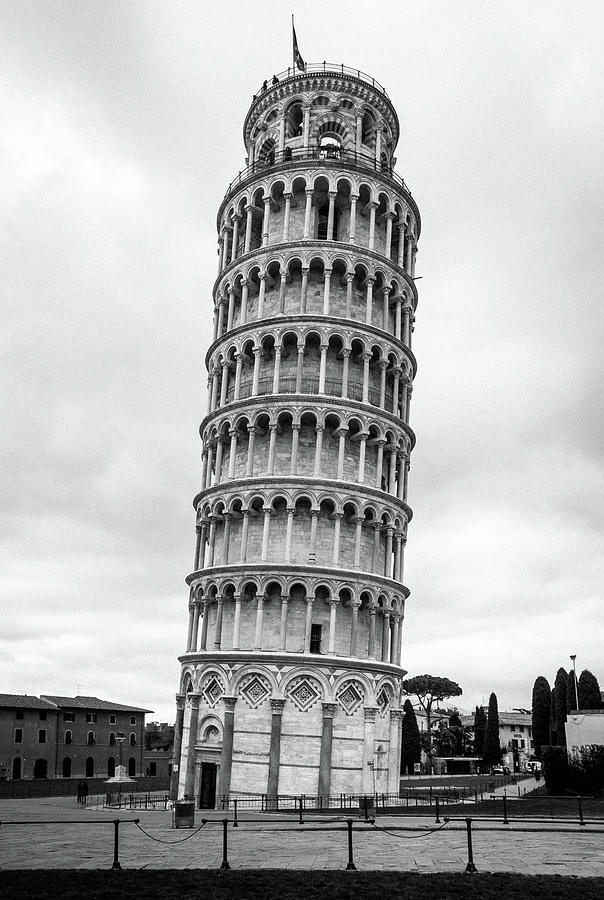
[[18, 735], [67, 767], [112, 737], [315, 638], [69, 717], [91, 718], [67, 738], [18, 714], [42, 715], [42, 736], [111, 767], [521, 729], [152, 769], [132, 740], [133, 720], [112, 719], [90, 738], [90, 767], [132, 767]]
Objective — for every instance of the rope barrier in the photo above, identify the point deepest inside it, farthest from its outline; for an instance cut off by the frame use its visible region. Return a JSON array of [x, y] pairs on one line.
[[179, 841]]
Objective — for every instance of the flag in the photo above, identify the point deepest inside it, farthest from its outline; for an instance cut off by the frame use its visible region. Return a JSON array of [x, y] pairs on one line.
[[298, 61]]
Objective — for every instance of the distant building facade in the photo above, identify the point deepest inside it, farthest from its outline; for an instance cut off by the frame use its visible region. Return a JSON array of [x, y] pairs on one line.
[[69, 737]]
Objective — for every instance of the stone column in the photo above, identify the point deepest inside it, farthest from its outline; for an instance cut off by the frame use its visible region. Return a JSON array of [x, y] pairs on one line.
[[308, 623], [272, 788], [195, 631], [259, 620], [261, 294], [358, 520], [265, 221], [369, 300], [333, 606], [249, 472], [349, 282], [299, 369], [354, 627], [303, 290], [266, 532], [371, 649], [385, 635], [338, 516], [318, 449], [282, 293], [197, 546], [189, 785], [389, 218], [366, 357], [295, 440], [276, 370], [370, 713], [353, 218], [236, 221], [362, 450], [180, 715], [379, 464], [288, 203], [307, 212], [232, 452], [245, 289], [204, 626], [312, 553], [306, 125], [190, 628], [237, 621], [330, 215], [238, 368], [226, 533], [283, 623], [394, 751], [218, 630], [226, 757], [323, 367], [270, 469], [326, 290], [244, 534], [345, 370], [372, 206], [288, 533], [329, 710], [256, 374], [397, 317], [249, 209], [342, 432]]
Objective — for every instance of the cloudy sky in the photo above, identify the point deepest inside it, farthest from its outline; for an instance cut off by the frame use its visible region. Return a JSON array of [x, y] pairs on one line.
[[120, 128]]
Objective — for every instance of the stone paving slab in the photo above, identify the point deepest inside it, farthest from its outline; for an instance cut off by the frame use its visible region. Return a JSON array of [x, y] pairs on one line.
[[522, 847]]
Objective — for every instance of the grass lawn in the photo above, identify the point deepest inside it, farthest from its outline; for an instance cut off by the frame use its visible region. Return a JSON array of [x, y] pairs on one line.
[[286, 885]]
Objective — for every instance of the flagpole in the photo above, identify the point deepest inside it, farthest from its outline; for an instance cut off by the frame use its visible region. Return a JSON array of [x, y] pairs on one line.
[[293, 50]]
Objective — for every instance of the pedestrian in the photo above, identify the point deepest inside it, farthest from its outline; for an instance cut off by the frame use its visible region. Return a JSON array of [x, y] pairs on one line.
[[80, 791], [84, 792]]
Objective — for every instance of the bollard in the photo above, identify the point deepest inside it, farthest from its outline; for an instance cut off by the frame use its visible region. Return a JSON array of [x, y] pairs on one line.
[[470, 866], [301, 820], [505, 810], [437, 820], [581, 819], [116, 844], [236, 821], [350, 865], [225, 861]]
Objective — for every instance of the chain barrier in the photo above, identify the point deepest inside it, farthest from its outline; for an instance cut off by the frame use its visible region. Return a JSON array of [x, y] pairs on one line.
[[426, 832], [179, 841]]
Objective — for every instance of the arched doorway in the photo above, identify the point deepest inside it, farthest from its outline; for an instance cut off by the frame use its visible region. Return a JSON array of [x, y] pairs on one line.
[[90, 767], [17, 767], [40, 768], [132, 767], [67, 767], [111, 767]]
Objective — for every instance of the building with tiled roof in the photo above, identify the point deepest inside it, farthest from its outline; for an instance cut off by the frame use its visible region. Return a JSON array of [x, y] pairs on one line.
[[69, 737]]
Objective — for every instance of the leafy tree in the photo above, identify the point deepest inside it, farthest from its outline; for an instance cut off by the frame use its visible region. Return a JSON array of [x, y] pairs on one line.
[[560, 686], [457, 731], [480, 728], [430, 689], [492, 748], [159, 736], [589, 691], [542, 699], [411, 749]]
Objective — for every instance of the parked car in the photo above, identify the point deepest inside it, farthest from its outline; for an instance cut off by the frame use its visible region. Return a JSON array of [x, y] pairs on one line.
[[500, 770]]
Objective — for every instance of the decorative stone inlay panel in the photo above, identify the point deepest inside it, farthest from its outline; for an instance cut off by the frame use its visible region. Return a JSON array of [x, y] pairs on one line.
[[212, 690], [383, 700], [254, 690], [304, 692], [350, 696]]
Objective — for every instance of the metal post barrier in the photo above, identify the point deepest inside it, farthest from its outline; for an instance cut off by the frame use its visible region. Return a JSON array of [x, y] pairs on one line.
[[301, 820], [581, 819], [350, 864], [225, 861], [505, 810], [236, 821], [116, 844], [437, 820], [470, 867]]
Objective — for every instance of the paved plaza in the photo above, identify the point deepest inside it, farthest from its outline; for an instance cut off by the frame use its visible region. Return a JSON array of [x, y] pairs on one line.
[[82, 838]]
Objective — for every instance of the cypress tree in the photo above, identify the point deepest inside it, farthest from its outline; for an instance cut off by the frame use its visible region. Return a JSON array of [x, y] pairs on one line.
[[492, 749], [480, 727], [560, 685], [589, 691], [542, 699], [553, 725], [457, 732], [571, 694], [411, 749]]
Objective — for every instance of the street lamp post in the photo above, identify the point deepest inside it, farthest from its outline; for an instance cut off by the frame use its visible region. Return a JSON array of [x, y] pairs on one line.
[[120, 738], [573, 656]]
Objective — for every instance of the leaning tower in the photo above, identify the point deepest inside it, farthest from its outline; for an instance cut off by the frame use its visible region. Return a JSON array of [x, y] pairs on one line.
[[291, 676]]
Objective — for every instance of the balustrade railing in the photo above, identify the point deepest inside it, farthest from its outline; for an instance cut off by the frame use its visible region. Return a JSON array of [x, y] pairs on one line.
[[309, 385]]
